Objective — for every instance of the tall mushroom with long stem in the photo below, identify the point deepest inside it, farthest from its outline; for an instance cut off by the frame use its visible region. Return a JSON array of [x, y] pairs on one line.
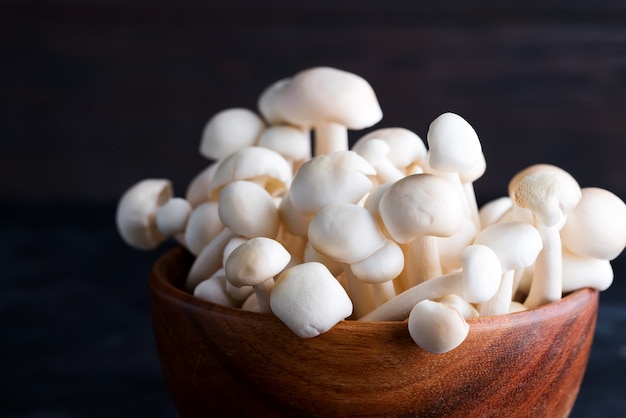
[[415, 210], [329, 101], [477, 282], [517, 245], [550, 196]]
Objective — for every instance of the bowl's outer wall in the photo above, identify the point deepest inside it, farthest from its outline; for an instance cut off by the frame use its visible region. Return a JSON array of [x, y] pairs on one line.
[[217, 359]]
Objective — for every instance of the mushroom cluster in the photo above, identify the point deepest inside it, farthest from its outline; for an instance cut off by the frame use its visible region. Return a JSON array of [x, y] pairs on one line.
[[289, 220]]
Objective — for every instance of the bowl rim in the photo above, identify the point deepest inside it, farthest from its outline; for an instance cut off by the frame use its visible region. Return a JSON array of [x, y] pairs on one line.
[[168, 275]]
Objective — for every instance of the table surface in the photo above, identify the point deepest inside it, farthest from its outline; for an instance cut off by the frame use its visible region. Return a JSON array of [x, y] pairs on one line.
[[78, 337]]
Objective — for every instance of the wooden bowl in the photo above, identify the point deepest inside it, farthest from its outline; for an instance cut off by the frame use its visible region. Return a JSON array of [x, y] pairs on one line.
[[218, 359]]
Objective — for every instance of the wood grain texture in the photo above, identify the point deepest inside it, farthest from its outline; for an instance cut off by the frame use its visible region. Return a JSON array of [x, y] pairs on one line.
[[527, 364]]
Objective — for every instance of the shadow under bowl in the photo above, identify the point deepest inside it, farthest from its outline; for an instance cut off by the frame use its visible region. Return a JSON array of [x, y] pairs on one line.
[[220, 361]]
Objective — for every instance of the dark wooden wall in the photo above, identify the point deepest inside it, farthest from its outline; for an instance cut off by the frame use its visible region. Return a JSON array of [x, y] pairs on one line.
[[97, 96]]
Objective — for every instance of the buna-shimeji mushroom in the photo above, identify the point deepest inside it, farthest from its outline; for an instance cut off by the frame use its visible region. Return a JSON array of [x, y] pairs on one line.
[[349, 234], [415, 210], [477, 282], [550, 196], [517, 245], [255, 263], [246, 209], [309, 299], [326, 100], [593, 235], [148, 213]]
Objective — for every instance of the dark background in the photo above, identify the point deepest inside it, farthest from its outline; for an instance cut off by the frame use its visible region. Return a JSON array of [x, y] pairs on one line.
[[96, 96]]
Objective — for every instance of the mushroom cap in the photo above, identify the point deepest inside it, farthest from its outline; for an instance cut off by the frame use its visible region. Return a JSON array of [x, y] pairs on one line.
[[267, 102], [202, 226], [328, 95], [437, 327], [517, 244], [292, 143], [198, 189], [255, 261], [136, 212], [172, 217], [493, 211], [549, 195], [340, 177], [296, 222], [533, 169], [453, 144], [384, 264], [482, 273], [596, 227], [252, 163], [230, 130], [309, 299], [248, 210], [405, 146], [213, 290], [421, 205], [345, 232]]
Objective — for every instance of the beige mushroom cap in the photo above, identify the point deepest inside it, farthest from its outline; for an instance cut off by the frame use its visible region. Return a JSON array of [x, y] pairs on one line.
[[405, 146], [340, 177], [596, 227], [437, 327], [137, 210], [328, 95], [549, 195], [309, 299], [248, 210], [256, 261], [517, 244], [421, 205], [230, 130], [257, 164], [453, 144], [345, 232]]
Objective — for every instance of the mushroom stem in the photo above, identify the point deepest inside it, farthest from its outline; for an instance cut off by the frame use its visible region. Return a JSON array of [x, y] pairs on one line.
[[423, 261], [399, 307], [330, 137], [547, 283], [500, 304], [360, 293], [383, 292], [209, 260], [262, 292]]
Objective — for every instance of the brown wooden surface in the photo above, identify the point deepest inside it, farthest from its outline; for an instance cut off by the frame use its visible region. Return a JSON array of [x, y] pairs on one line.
[[98, 95], [528, 364]]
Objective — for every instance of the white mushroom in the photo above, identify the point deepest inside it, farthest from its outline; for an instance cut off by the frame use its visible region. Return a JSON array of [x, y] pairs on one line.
[[348, 233], [309, 300], [340, 177], [453, 150], [228, 131], [245, 209], [172, 217], [293, 143], [517, 245], [406, 148], [214, 290], [198, 188], [375, 152], [267, 103], [494, 211], [415, 210], [203, 226], [580, 272], [550, 196], [437, 327], [256, 164], [329, 101], [255, 263], [137, 211], [596, 227], [477, 282], [380, 269]]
